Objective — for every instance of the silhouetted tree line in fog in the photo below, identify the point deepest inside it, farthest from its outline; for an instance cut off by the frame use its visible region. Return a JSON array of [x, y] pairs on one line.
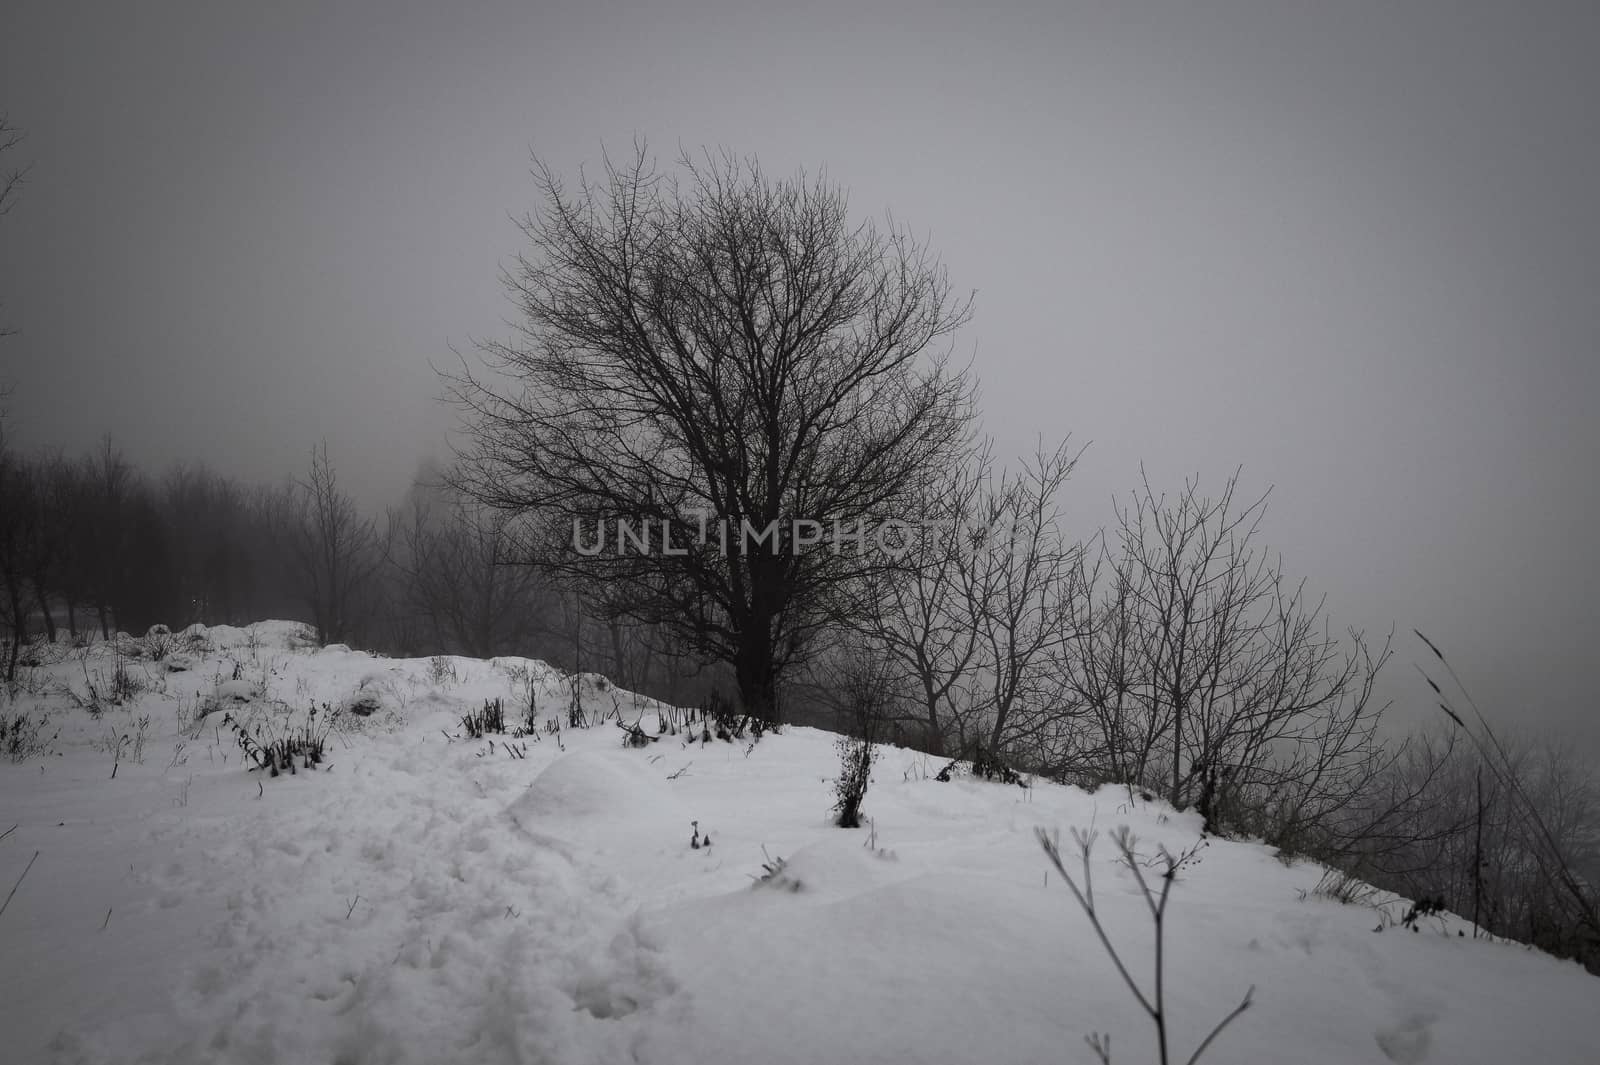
[[1086, 690], [91, 545]]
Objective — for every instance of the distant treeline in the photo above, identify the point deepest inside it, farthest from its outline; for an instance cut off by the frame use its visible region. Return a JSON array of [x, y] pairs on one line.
[[91, 545]]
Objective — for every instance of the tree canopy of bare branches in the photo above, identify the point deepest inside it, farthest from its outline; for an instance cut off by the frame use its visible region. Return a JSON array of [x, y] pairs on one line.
[[711, 346], [1210, 676], [460, 572], [976, 611], [11, 177], [337, 551]]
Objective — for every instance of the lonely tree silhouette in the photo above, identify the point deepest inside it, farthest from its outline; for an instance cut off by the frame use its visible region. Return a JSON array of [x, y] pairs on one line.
[[701, 354]]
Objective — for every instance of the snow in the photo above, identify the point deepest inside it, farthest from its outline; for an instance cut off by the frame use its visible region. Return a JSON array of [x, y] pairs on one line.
[[429, 900]]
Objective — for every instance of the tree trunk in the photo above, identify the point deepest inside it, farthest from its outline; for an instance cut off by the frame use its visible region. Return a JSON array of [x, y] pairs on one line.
[[1176, 795], [757, 677], [935, 738], [618, 658], [44, 610], [18, 632]]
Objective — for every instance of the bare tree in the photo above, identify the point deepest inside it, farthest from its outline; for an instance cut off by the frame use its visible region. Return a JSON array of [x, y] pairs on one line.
[[1209, 675], [1020, 602], [18, 536], [916, 612], [19, 543], [978, 607], [713, 348], [11, 179], [108, 484], [209, 524], [336, 550], [461, 569]]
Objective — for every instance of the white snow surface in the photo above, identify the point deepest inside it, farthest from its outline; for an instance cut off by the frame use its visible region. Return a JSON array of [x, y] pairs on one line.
[[425, 899]]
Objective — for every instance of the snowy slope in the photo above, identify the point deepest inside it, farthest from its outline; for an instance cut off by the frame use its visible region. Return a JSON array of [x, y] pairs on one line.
[[424, 899]]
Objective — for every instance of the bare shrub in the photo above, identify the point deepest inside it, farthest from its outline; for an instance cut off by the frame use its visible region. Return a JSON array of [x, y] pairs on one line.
[[865, 690], [1340, 886], [977, 609], [23, 735], [442, 669], [159, 643], [1210, 677]]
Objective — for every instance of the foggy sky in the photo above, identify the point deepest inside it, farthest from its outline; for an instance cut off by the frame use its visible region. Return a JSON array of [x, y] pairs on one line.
[[1350, 246]]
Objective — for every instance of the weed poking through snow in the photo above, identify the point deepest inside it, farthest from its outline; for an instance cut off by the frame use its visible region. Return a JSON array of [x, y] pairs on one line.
[[281, 748]]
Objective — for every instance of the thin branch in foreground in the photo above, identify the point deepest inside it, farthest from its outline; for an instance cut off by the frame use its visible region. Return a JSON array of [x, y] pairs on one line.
[[1168, 865]]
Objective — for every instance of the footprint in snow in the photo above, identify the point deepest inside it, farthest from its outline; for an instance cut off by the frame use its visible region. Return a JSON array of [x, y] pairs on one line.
[[1407, 1042]]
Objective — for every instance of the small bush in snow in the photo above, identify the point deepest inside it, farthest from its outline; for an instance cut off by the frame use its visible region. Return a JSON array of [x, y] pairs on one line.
[[634, 735], [159, 643], [103, 690], [42, 651], [866, 699], [990, 766], [576, 717], [1426, 906], [128, 744], [492, 718], [364, 704], [29, 681], [194, 641], [855, 770], [442, 668], [279, 747], [667, 720], [22, 736], [1341, 886], [723, 718], [774, 875]]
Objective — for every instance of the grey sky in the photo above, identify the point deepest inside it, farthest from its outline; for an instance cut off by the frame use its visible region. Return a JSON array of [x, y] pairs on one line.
[[1352, 246]]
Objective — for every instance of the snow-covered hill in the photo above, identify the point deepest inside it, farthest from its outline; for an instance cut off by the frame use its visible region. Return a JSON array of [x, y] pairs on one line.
[[423, 897]]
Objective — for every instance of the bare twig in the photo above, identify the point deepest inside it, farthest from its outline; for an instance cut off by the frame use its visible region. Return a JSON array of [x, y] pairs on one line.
[[1240, 1008], [19, 882], [1156, 898]]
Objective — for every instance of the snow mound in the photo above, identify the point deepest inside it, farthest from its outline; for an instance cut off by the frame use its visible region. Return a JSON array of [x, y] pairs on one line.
[[592, 786], [237, 691], [274, 635]]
